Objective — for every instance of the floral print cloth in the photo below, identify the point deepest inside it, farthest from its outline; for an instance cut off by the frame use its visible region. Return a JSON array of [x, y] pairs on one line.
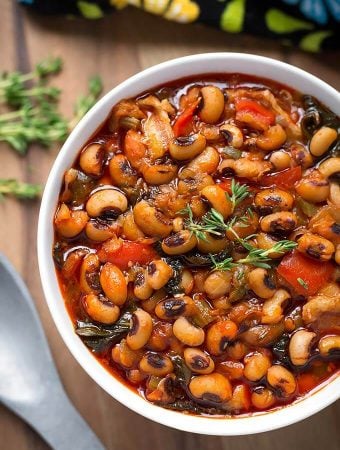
[[311, 25]]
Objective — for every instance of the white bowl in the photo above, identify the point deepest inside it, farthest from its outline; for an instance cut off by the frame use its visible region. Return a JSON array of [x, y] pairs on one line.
[[178, 68]]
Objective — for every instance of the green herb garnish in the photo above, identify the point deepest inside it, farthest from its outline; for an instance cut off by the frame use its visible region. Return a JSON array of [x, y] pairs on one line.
[[302, 283], [239, 192], [256, 257]]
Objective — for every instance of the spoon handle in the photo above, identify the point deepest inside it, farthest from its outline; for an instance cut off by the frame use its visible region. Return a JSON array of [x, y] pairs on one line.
[[60, 424], [29, 382]]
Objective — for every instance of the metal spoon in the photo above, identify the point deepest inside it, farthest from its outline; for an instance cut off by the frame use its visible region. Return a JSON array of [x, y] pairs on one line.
[[29, 382]]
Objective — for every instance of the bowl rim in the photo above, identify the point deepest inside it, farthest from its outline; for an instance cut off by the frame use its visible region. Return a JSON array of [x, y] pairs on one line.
[[248, 424]]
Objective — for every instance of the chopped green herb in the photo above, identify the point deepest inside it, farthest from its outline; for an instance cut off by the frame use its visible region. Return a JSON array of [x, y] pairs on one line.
[[302, 283]]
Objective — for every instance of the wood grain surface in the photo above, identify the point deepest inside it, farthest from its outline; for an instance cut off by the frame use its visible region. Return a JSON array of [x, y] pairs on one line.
[[117, 47]]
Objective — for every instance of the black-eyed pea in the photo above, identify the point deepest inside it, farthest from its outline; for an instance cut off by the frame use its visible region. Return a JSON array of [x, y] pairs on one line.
[[272, 310], [212, 388], [233, 370], [158, 274], [187, 281], [140, 330], [337, 254], [266, 241], [173, 308], [73, 260], [232, 134], [188, 333], [279, 222], [330, 167], [142, 290], [236, 350], [240, 400], [69, 223], [92, 159], [100, 309], [272, 138], [135, 376], [313, 187], [121, 172], [106, 203], [151, 221], [164, 393], [274, 198], [227, 167], [178, 224], [301, 155], [154, 363], [248, 168], [210, 132], [217, 284], [187, 147], [316, 246], [212, 243], [334, 194], [198, 361], [256, 366], [100, 230], [282, 380], [218, 199], [329, 345], [181, 242], [280, 160], [158, 174], [113, 284], [322, 140], [206, 162], [262, 398], [150, 303], [212, 104], [261, 283], [222, 303], [89, 274], [219, 336], [300, 346], [123, 355], [130, 230]]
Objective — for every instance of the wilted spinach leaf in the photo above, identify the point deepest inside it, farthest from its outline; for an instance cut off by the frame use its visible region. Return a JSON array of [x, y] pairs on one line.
[[100, 337], [173, 285], [182, 371]]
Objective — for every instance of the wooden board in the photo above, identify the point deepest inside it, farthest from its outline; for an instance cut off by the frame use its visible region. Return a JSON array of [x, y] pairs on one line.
[[116, 47]]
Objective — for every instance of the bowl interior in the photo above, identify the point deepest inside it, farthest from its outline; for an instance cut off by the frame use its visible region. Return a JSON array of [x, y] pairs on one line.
[[154, 76]]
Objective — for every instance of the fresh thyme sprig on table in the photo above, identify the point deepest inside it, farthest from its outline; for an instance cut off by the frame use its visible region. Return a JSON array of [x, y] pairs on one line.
[[32, 115], [36, 117], [13, 85], [18, 189]]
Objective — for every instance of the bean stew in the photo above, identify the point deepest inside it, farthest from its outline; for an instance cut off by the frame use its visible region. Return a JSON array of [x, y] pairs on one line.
[[197, 244]]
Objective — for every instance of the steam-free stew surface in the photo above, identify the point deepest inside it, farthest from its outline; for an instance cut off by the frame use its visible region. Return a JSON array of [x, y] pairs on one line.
[[197, 244]]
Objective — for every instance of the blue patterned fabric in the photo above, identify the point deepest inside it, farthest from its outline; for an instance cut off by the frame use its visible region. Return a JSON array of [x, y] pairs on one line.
[[312, 25]]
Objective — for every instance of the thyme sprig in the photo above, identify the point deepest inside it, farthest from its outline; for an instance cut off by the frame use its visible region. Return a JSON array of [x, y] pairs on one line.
[[239, 192], [35, 117], [256, 257], [18, 189], [199, 228], [213, 223]]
